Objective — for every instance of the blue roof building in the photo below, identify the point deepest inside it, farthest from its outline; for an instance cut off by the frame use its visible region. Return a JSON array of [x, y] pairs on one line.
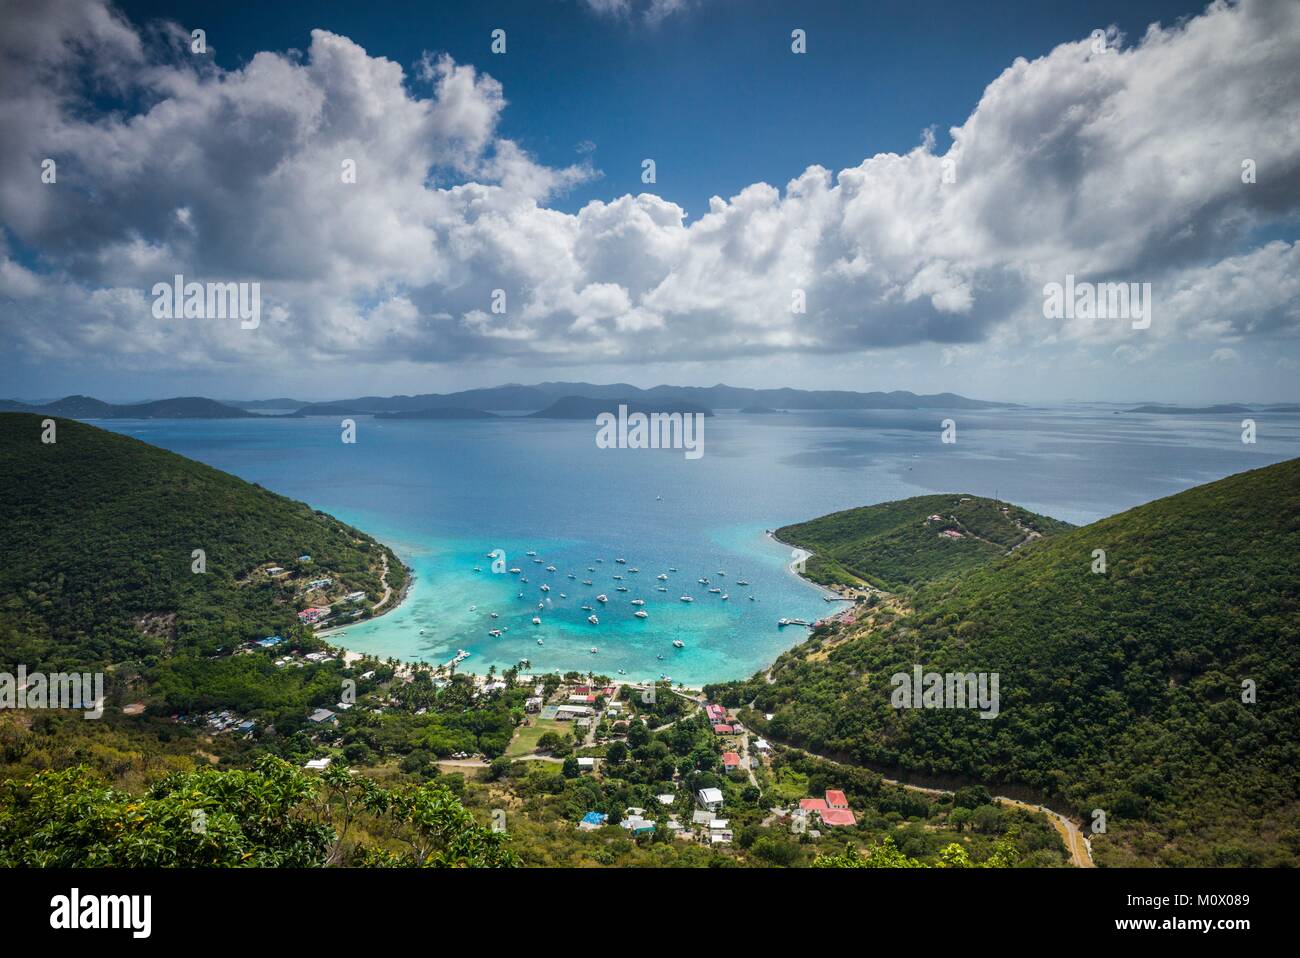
[[270, 641]]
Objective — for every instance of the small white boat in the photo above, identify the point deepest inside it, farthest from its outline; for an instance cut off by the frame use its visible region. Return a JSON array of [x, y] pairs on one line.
[[641, 614], [478, 568], [550, 568], [687, 598], [618, 577], [678, 644], [586, 582], [493, 614], [714, 591], [516, 571], [702, 581], [662, 577], [638, 601], [593, 620], [530, 553], [540, 642], [594, 650], [724, 596], [572, 576], [591, 568], [495, 633], [586, 608], [523, 578], [473, 608], [662, 588], [538, 561], [422, 631], [621, 588], [536, 621], [541, 605], [621, 561], [546, 588], [752, 599], [564, 595], [634, 570], [602, 598], [721, 572], [672, 568], [742, 582]]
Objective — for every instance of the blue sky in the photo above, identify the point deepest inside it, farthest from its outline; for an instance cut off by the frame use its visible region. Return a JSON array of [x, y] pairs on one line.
[[885, 211], [711, 92]]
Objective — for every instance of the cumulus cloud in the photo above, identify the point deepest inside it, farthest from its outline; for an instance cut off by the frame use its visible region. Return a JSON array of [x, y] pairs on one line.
[[1123, 166]]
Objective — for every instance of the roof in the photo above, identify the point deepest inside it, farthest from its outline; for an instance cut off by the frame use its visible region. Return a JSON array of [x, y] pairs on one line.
[[667, 799], [813, 804], [730, 759], [595, 818], [320, 715], [721, 729], [835, 798], [586, 762], [711, 795], [838, 816]]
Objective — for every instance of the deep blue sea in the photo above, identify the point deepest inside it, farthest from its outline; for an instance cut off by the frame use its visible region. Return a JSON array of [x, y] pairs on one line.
[[444, 494]]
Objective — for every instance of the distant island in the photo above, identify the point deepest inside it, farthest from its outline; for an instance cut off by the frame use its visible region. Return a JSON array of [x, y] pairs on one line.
[[86, 407], [760, 411], [449, 413], [582, 407]]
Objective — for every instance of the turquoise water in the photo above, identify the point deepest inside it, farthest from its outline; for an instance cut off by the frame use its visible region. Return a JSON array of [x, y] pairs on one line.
[[444, 494]]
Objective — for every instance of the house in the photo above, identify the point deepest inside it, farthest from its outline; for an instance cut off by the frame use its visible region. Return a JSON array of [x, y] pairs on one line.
[[566, 713], [813, 804], [246, 726], [319, 584], [582, 699], [935, 518], [951, 534], [710, 798], [533, 704], [592, 821], [701, 818], [270, 642], [318, 764], [275, 570], [322, 715], [836, 799], [666, 799], [721, 729], [354, 596], [716, 713], [312, 615], [638, 825], [719, 833], [838, 816], [761, 745], [730, 761], [586, 763]]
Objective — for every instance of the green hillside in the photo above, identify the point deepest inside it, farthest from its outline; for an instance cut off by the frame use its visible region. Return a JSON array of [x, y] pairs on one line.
[[1120, 691], [893, 545], [96, 542]]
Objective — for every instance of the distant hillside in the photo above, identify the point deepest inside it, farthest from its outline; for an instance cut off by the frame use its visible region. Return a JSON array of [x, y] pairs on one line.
[[893, 545], [449, 413], [759, 411], [84, 407], [1120, 691], [96, 541], [581, 407], [1224, 408]]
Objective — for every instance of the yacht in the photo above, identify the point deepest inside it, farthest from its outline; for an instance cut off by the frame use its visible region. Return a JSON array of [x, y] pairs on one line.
[[530, 553], [633, 570], [702, 580], [638, 601], [586, 608], [742, 582], [621, 588], [536, 621], [678, 644], [540, 642], [687, 598], [546, 588], [591, 568], [672, 569], [602, 598], [641, 614], [621, 561], [724, 596], [550, 568], [715, 590], [593, 620], [516, 571], [572, 576], [478, 568], [564, 595], [618, 577], [662, 577], [495, 633], [586, 582], [721, 572], [662, 588]]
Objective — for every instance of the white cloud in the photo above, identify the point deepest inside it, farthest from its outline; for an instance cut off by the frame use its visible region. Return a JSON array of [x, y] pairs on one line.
[[1119, 167]]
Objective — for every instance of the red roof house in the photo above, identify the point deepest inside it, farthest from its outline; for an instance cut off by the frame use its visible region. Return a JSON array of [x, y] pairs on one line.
[[838, 816], [730, 760], [721, 729], [813, 804], [835, 799]]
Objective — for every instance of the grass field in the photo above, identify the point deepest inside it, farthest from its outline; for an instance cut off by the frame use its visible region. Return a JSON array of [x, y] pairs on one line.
[[525, 740]]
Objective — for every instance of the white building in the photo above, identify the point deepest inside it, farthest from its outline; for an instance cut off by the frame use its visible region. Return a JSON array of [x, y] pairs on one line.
[[710, 798]]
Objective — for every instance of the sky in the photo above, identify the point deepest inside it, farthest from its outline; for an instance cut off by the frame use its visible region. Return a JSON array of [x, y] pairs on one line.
[[887, 209]]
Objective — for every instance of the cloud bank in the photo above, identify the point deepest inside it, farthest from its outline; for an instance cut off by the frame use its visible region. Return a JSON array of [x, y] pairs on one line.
[[1124, 165]]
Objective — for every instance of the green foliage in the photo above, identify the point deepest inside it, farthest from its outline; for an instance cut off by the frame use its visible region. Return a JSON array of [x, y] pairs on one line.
[[893, 545], [1120, 691]]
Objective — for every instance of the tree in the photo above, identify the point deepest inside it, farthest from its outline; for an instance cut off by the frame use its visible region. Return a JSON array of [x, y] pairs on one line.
[[616, 754], [570, 769]]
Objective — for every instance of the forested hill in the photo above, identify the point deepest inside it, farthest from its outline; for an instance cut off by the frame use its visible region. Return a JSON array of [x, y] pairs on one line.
[[97, 535], [897, 544], [1120, 690]]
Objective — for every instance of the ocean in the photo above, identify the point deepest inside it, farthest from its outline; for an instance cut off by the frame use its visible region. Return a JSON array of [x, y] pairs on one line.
[[444, 494]]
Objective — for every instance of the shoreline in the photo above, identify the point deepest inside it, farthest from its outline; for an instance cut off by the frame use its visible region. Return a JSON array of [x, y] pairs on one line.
[[828, 594], [390, 605]]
